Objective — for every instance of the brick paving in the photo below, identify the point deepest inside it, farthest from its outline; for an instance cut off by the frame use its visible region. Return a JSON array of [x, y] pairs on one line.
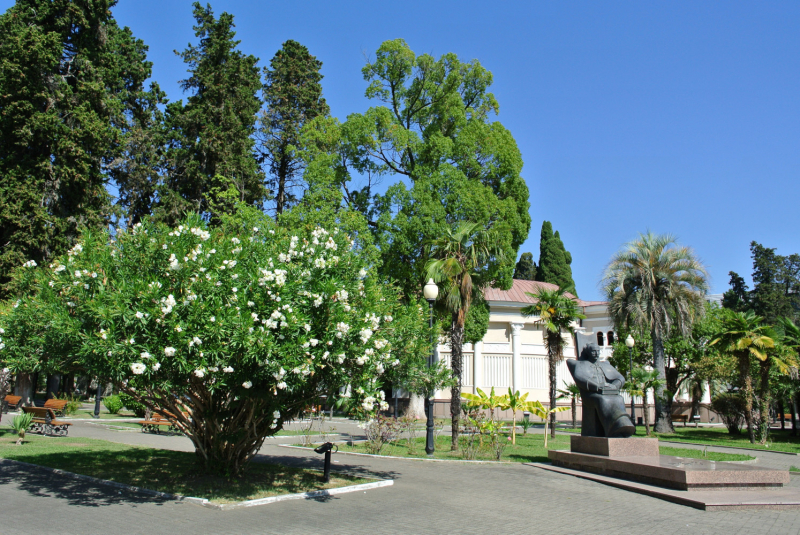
[[438, 498]]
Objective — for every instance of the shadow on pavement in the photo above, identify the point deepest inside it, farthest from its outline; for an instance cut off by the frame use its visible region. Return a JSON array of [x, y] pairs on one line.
[[43, 483], [316, 463]]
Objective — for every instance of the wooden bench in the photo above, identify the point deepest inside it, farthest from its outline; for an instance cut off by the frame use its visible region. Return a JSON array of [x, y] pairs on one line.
[[10, 401], [680, 418], [44, 422], [155, 423], [58, 405]]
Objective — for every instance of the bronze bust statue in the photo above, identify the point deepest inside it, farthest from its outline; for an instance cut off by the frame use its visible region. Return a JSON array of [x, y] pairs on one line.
[[603, 407]]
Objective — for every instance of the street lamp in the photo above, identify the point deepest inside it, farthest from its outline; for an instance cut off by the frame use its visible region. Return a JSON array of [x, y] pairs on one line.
[[430, 292], [629, 341]]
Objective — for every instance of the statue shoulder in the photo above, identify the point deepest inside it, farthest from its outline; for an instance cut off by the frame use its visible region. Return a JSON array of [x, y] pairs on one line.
[[607, 366], [571, 363]]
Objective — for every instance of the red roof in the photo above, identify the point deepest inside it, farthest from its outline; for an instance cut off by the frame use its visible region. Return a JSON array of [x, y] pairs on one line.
[[519, 290]]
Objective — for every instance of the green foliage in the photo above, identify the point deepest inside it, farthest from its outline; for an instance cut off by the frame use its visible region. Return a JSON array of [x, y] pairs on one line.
[[256, 319], [211, 145], [738, 297], [477, 321], [21, 423], [526, 268], [69, 77], [293, 97], [654, 284], [554, 260], [731, 408], [73, 403], [132, 405], [113, 404], [776, 284]]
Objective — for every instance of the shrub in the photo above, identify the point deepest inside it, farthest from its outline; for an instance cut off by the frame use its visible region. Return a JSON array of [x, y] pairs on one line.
[[232, 329], [132, 405], [731, 408], [20, 424], [113, 404], [73, 403]]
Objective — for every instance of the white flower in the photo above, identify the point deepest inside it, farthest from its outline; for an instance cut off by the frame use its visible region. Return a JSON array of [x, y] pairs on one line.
[[139, 315], [199, 373], [196, 340], [178, 329], [94, 275], [250, 304], [132, 341], [340, 358], [319, 263], [2, 345], [173, 263], [169, 351], [379, 368], [156, 366], [247, 384], [276, 414], [29, 264], [144, 355], [138, 368], [234, 289], [367, 404], [235, 241], [362, 360], [307, 327], [103, 334], [227, 369], [314, 342], [387, 319], [362, 273], [213, 369], [281, 385], [366, 334], [280, 373], [86, 286], [212, 319]]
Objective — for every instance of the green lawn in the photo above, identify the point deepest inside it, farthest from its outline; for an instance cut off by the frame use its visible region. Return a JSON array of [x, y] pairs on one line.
[[529, 448], [718, 436], [166, 471]]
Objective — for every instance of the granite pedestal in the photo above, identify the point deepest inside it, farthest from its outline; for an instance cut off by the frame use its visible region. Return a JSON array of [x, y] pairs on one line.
[[637, 459]]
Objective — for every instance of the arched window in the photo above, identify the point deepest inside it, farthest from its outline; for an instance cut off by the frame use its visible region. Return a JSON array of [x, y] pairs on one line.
[[610, 337], [600, 338]]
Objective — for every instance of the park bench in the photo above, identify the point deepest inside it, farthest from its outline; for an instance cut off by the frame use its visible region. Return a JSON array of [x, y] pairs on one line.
[[680, 418], [10, 401], [58, 405], [44, 422], [155, 422]]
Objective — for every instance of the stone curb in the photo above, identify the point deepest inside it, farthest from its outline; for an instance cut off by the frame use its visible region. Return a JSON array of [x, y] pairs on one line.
[[203, 501], [400, 458]]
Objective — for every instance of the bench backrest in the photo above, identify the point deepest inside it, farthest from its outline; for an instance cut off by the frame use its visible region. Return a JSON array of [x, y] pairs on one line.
[[40, 412], [13, 400], [56, 403]]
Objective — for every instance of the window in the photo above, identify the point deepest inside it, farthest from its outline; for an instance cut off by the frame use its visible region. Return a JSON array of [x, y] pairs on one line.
[[610, 337], [600, 338]]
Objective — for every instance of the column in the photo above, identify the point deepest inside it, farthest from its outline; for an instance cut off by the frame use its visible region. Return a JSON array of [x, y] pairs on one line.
[[516, 358], [477, 365]]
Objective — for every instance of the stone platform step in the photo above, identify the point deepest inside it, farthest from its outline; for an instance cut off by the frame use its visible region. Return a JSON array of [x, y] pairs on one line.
[[708, 500], [674, 472]]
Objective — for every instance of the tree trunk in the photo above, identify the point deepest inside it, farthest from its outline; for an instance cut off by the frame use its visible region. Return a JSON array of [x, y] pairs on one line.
[[574, 412], [794, 413], [24, 387], [765, 399], [456, 340], [552, 358], [416, 407], [53, 385], [744, 373], [663, 405], [782, 408], [646, 408]]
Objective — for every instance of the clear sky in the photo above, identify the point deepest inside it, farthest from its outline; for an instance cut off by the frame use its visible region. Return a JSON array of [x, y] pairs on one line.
[[679, 117]]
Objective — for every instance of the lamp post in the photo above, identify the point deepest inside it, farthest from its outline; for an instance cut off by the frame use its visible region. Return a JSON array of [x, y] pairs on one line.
[[430, 292], [97, 399], [629, 341]]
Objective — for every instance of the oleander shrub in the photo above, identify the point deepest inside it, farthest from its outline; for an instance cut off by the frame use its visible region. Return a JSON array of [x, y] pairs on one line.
[[132, 405], [731, 409], [113, 404]]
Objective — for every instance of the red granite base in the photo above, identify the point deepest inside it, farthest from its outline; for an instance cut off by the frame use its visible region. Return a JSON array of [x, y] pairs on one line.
[[614, 447], [708, 500], [674, 472]]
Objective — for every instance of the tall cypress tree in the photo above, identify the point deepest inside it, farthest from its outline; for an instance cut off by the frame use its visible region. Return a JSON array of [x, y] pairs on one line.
[[776, 284], [526, 268], [554, 260], [292, 96], [68, 77], [212, 150]]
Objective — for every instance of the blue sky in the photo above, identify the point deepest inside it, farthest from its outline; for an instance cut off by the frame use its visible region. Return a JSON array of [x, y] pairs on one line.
[[677, 117]]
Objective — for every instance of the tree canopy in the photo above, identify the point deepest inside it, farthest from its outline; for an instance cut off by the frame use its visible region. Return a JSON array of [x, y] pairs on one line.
[[554, 260]]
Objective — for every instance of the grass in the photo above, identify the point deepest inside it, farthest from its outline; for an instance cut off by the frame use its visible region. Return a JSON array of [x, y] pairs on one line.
[[794, 469], [719, 436], [173, 472], [529, 448]]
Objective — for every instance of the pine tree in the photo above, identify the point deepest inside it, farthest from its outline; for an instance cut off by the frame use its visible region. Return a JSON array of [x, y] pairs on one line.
[[526, 268], [292, 96], [68, 76], [554, 260], [212, 150], [738, 297], [776, 284]]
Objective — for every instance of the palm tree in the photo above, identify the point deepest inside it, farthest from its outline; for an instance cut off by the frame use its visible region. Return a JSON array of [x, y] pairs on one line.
[[642, 382], [783, 358], [743, 336], [458, 260], [653, 283], [572, 392], [556, 312]]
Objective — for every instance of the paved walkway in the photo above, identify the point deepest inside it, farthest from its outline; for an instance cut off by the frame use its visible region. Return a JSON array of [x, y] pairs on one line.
[[438, 498]]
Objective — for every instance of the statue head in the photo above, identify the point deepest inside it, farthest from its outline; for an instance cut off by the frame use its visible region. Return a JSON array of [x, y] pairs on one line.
[[591, 353]]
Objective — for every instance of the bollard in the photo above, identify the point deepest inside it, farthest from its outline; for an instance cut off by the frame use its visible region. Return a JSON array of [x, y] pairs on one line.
[[326, 449]]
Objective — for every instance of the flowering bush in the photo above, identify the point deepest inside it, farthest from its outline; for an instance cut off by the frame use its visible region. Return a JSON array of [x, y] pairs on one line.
[[229, 331]]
